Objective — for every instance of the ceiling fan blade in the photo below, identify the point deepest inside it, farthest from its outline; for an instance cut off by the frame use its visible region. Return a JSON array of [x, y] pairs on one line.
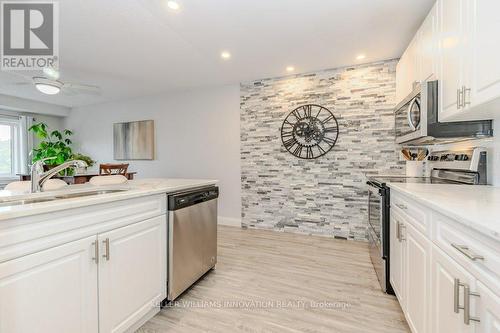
[[76, 88], [17, 84], [28, 79]]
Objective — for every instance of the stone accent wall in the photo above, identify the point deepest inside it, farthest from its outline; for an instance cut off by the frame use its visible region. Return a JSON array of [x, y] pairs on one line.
[[325, 196]]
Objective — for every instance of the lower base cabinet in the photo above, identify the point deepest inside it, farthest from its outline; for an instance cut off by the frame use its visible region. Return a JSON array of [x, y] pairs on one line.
[[488, 310], [132, 273], [103, 283], [418, 279], [397, 254], [446, 276], [438, 293], [54, 290]]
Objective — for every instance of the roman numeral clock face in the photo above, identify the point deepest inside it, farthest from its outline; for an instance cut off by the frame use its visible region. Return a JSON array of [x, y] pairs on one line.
[[309, 131]]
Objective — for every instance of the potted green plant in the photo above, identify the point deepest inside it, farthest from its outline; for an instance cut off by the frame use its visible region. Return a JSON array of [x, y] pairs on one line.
[[56, 144]]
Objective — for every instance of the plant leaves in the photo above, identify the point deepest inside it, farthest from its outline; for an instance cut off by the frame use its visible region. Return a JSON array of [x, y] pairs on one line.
[[56, 134]]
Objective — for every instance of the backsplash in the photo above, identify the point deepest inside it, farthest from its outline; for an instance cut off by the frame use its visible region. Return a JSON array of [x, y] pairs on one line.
[[325, 196]]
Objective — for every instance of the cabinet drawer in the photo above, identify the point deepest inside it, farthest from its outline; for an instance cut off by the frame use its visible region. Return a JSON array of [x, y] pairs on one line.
[[412, 212], [478, 254]]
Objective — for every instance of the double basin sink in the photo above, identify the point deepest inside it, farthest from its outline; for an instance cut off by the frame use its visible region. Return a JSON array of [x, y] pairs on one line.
[[59, 196]]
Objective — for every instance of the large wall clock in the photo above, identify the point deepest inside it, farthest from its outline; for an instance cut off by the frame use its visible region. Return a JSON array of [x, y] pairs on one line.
[[309, 131]]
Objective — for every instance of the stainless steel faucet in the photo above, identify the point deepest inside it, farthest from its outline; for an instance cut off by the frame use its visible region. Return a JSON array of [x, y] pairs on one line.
[[39, 177]]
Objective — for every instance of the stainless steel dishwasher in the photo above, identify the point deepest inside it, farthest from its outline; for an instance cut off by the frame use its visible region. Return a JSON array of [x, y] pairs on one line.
[[192, 237]]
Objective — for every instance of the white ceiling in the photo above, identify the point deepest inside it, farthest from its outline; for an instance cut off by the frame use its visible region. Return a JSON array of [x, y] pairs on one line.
[[133, 48]]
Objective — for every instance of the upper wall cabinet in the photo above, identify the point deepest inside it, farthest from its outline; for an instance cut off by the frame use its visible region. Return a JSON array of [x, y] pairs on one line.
[[457, 44], [470, 70], [451, 55], [482, 65], [419, 61]]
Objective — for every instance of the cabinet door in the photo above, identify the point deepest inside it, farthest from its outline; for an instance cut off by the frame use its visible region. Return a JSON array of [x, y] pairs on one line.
[[402, 86], [418, 277], [132, 273], [444, 272], [484, 49], [397, 254], [54, 290], [451, 55], [427, 46], [488, 310]]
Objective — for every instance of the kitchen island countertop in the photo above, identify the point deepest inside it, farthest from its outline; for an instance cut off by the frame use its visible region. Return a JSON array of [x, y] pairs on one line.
[[132, 189]]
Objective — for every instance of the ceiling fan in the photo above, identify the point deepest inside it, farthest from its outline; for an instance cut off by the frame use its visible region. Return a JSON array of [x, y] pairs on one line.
[[49, 84]]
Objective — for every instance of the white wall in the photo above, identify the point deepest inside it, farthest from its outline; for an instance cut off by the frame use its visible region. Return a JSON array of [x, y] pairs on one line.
[[18, 104], [197, 136]]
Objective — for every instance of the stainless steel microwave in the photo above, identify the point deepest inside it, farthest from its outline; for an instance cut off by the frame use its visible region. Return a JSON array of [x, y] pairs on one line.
[[417, 120]]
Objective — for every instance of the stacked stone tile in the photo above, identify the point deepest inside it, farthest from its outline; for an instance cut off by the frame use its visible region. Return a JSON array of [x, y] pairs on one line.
[[325, 196]]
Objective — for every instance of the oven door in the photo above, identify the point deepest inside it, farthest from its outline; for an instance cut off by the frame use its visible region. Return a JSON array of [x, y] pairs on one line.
[[375, 211], [376, 234], [409, 117]]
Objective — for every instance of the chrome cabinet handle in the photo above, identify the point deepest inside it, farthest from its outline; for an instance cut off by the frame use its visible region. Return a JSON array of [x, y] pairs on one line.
[[402, 234], [464, 249], [106, 243], [96, 252], [456, 302], [465, 91], [467, 294], [398, 231], [459, 102], [401, 206], [456, 295]]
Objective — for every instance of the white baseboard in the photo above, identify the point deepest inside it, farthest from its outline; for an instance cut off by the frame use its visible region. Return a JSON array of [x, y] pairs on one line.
[[229, 221]]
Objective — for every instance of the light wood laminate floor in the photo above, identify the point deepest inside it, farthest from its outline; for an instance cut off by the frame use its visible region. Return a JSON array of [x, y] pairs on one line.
[[267, 281]]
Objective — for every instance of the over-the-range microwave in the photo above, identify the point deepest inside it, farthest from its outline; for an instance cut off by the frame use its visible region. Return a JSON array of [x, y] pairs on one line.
[[417, 122]]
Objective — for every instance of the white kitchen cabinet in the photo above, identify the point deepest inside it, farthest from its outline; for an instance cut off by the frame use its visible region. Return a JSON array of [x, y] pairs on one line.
[[54, 290], [482, 69], [452, 26], [410, 253], [488, 310], [419, 61], [469, 71], [444, 272], [407, 71], [402, 86], [132, 273], [397, 255], [417, 279], [438, 263], [428, 46]]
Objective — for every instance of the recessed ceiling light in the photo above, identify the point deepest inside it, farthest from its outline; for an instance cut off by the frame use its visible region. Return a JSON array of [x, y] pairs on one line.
[[290, 68], [173, 5], [361, 57], [225, 55]]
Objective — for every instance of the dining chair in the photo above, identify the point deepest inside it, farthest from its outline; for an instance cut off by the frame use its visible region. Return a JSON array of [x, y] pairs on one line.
[[113, 169]]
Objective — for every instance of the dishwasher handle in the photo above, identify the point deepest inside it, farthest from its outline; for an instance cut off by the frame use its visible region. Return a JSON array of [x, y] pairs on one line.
[[185, 199]]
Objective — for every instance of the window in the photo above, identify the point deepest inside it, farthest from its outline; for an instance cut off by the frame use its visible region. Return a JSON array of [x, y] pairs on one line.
[[6, 149], [9, 147]]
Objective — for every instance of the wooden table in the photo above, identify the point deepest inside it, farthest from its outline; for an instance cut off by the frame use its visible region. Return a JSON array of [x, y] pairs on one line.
[[79, 178]]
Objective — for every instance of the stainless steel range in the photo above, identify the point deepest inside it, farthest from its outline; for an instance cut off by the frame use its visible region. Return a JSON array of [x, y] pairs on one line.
[[467, 167]]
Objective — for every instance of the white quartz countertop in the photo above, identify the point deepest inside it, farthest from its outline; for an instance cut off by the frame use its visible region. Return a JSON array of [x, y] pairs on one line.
[[475, 206], [134, 188]]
